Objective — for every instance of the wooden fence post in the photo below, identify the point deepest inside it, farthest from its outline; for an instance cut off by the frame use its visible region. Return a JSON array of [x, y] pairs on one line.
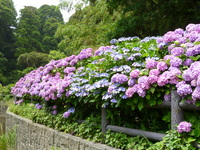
[[176, 111], [104, 120]]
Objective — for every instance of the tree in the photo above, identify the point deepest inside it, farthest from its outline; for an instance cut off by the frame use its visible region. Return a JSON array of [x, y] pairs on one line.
[[153, 17], [7, 39], [50, 19], [27, 31], [87, 27], [33, 59]]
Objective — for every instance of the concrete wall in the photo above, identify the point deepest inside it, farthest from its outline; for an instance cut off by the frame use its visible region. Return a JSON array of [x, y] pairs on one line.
[[33, 136], [3, 109]]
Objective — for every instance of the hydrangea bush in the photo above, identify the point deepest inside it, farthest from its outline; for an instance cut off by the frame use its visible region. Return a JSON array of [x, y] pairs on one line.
[[132, 72]]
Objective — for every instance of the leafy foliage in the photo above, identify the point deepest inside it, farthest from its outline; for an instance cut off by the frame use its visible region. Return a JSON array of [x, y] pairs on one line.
[[33, 59], [87, 27], [153, 17], [8, 23]]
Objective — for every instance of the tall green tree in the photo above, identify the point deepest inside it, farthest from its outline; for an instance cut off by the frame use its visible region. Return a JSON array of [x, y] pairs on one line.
[[87, 27], [7, 26], [50, 19], [27, 31], [153, 17]]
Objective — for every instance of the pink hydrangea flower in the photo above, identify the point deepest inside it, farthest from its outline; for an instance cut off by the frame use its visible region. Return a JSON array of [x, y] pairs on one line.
[[151, 63], [162, 66], [184, 127], [135, 73]]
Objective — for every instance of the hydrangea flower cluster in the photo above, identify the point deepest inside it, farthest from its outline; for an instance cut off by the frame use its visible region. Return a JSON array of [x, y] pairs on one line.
[[129, 68], [184, 127]]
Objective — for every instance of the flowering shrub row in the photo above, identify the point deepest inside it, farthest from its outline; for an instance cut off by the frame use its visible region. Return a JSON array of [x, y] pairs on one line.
[[131, 71]]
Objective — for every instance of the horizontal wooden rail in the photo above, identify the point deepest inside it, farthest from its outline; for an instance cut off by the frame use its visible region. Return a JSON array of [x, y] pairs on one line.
[[135, 132], [182, 105]]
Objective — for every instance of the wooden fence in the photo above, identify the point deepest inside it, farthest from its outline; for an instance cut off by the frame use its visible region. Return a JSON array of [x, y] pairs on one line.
[[177, 107]]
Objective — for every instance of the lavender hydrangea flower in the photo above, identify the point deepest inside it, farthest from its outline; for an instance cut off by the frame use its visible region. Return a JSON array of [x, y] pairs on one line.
[[54, 112], [154, 72], [175, 62], [151, 63], [188, 62], [113, 101], [170, 47], [119, 78], [141, 92], [131, 82], [38, 106], [162, 66], [71, 110], [69, 69], [168, 57], [19, 101], [131, 90], [54, 107], [162, 80], [184, 127], [167, 97], [177, 51], [192, 51], [196, 93], [152, 79], [135, 73], [66, 114], [184, 90]]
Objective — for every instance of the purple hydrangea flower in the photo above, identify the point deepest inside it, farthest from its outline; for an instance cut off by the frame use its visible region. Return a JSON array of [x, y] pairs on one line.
[[175, 62], [184, 89], [162, 80], [188, 62], [162, 66], [54, 112], [143, 82], [141, 92], [135, 73], [71, 110], [154, 72], [196, 93], [184, 127], [193, 51], [131, 90], [177, 51], [69, 69], [66, 114], [170, 47], [119, 78], [179, 31], [131, 82], [152, 79], [54, 107], [167, 97], [38, 106], [113, 101], [151, 63]]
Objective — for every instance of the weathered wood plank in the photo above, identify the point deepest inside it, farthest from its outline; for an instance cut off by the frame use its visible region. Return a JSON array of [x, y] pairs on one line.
[[135, 132], [176, 111]]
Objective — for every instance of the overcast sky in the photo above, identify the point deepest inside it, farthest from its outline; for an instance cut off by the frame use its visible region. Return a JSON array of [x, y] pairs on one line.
[[19, 4]]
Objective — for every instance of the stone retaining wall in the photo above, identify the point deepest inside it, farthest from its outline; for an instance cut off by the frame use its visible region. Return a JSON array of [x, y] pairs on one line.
[[33, 136], [3, 109]]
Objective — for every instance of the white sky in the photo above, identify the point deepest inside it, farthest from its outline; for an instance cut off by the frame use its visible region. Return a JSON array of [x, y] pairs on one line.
[[19, 4]]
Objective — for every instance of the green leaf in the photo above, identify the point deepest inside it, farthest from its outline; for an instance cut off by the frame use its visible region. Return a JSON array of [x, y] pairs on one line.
[[93, 100], [148, 96], [152, 89], [133, 107], [140, 105], [191, 139]]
